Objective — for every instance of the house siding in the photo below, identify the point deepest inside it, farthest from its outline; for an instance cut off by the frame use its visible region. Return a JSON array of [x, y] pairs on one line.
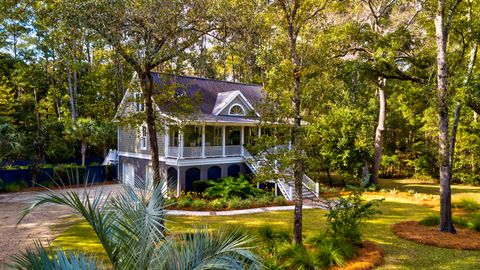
[[130, 142]]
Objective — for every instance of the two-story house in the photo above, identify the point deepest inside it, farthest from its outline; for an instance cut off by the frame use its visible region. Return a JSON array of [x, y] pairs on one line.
[[210, 145]]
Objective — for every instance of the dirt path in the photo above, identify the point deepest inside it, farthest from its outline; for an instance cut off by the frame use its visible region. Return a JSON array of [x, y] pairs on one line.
[[43, 224]]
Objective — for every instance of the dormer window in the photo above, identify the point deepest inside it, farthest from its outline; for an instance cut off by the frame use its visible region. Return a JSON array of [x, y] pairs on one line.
[[139, 103], [237, 110]]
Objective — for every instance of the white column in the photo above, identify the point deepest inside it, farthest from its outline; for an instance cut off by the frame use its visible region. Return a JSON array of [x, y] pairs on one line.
[[180, 145], [223, 142], [167, 139], [178, 181], [203, 141], [242, 139]]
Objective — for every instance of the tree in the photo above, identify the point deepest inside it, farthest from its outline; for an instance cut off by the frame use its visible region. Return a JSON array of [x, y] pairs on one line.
[[84, 131], [446, 223], [146, 35]]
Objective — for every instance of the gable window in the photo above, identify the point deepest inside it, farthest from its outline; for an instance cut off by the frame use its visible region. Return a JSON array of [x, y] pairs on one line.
[[139, 103], [237, 110], [143, 138]]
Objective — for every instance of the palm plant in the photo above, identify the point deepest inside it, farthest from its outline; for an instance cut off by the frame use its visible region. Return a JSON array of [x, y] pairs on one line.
[[130, 227]]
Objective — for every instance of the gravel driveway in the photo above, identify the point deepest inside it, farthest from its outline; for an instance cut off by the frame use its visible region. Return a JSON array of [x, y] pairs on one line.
[[44, 224]]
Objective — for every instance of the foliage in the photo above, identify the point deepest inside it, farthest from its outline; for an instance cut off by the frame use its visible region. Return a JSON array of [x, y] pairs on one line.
[[130, 227], [474, 224], [430, 220], [332, 250], [198, 204], [469, 205], [348, 215], [231, 187], [201, 186]]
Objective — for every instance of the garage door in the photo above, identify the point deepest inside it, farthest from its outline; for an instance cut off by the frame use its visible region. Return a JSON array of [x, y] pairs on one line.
[[128, 174]]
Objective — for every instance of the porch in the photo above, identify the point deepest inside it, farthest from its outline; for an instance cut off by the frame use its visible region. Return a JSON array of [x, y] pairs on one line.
[[208, 141]]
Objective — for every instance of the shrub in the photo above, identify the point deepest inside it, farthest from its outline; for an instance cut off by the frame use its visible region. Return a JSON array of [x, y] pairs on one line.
[[217, 204], [474, 224], [469, 205], [279, 200], [460, 222], [270, 236], [16, 186], [346, 218], [201, 186], [110, 172], [235, 203], [184, 202], [333, 251], [198, 204], [430, 220], [231, 187], [297, 257], [264, 200]]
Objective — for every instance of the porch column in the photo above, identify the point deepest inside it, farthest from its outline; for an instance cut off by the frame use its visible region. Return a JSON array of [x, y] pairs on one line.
[[223, 142], [178, 181], [167, 139], [180, 145], [242, 139], [203, 141]]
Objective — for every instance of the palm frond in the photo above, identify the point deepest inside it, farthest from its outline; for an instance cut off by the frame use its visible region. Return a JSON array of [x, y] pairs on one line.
[[41, 258], [208, 250]]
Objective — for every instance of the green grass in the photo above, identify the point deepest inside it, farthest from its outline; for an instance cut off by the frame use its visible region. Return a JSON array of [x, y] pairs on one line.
[[399, 254]]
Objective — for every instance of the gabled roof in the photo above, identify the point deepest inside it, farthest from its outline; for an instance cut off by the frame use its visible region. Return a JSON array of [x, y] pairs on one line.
[[214, 94]]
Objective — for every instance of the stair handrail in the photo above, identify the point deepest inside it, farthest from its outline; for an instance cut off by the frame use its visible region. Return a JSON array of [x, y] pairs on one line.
[[310, 185]]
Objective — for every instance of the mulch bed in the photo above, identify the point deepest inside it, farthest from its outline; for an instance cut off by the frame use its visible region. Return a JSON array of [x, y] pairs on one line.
[[464, 239], [369, 256]]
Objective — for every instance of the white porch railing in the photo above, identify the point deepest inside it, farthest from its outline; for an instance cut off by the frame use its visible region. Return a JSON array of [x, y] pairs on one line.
[[192, 152], [233, 150], [213, 151]]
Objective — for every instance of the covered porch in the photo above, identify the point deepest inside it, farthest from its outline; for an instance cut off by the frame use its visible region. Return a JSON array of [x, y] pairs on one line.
[[208, 141]]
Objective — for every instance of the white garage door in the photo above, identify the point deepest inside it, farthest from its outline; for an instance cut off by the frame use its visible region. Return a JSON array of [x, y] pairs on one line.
[[128, 174]]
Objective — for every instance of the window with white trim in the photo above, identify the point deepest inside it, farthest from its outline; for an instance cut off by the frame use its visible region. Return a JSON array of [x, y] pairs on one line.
[[237, 110], [139, 103], [143, 138]]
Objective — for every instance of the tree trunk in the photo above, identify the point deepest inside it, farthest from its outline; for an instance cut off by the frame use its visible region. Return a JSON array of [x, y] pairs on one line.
[[377, 152], [456, 120], [147, 84], [70, 93], [83, 150], [446, 224]]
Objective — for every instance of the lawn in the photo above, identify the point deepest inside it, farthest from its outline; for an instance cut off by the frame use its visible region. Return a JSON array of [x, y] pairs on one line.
[[399, 254]]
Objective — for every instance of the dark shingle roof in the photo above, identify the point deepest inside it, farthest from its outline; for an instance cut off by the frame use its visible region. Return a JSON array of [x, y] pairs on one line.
[[208, 90]]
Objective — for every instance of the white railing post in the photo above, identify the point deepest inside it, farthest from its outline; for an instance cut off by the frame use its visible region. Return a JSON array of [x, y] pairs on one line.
[[317, 189], [276, 189], [242, 140], [203, 141], [290, 192], [223, 142], [180, 146], [167, 139]]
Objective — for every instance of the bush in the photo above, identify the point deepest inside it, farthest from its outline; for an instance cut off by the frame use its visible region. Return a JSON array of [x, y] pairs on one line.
[[346, 218], [475, 223], [332, 250], [460, 222], [201, 186], [198, 204], [469, 205], [297, 257], [430, 220], [217, 204], [231, 187], [184, 202], [16, 186], [270, 236], [110, 172], [264, 200], [280, 200]]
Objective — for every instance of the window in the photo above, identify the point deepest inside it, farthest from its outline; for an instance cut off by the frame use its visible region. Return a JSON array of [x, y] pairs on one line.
[[139, 103], [143, 138], [237, 110]]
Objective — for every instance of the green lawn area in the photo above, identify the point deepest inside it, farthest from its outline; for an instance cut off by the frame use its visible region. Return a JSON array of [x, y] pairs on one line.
[[399, 254]]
